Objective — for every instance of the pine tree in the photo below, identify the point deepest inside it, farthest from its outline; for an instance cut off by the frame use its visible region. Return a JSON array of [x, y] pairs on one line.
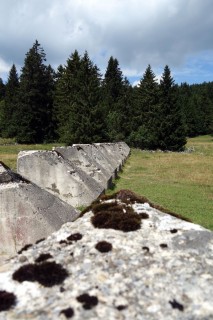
[[2, 94], [2, 89], [172, 134], [35, 100], [115, 104], [145, 117], [9, 114], [66, 88], [77, 101]]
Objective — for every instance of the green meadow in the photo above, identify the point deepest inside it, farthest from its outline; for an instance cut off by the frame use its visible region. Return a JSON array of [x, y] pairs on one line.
[[181, 182]]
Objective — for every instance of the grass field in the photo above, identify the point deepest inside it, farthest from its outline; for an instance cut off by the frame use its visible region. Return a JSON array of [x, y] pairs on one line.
[[181, 182], [9, 150]]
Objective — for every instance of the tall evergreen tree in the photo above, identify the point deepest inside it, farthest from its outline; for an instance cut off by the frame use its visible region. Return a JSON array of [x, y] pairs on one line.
[[113, 83], [2, 89], [172, 134], [2, 94], [145, 117], [66, 88], [35, 101], [116, 104], [77, 101], [9, 114]]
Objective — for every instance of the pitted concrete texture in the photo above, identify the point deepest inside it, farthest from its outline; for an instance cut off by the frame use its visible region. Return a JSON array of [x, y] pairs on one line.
[[59, 176], [94, 152], [81, 159], [161, 271], [124, 148], [27, 213], [112, 157], [121, 149]]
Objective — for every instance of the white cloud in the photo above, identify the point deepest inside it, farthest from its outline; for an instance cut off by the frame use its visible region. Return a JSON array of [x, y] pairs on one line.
[[136, 32], [4, 69]]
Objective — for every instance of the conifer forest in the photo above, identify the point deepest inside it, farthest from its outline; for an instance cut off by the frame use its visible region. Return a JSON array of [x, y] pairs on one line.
[[77, 104]]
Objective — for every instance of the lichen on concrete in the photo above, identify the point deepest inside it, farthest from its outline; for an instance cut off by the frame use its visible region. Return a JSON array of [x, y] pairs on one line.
[[163, 270]]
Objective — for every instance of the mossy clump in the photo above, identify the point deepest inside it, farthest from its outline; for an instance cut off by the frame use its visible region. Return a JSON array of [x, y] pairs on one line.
[[103, 246], [130, 197], [115, 215], [48, 273], [121, 307], [43, 257], [163, 245], [40, 240], [116, 220], [99, 207], [68, 313], [25, 273], [176, 305], [25, 248], [7, 300], [144, 215], [173, 230], [63, 242], [88, 301], [106, 206], [75, 237]]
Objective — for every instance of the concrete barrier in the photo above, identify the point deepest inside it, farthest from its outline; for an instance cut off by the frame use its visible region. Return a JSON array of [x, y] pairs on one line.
[[94, 151], [27, 212], [61, 177], [89, 165], [159, 268]]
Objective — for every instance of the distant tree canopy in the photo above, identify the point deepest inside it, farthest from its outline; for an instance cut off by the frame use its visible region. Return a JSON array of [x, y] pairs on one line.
[[76, 104]]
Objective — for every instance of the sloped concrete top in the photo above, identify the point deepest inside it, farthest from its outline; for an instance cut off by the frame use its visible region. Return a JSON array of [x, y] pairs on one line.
[[132, 264], [64, 179], [89, 165], [27, 212]]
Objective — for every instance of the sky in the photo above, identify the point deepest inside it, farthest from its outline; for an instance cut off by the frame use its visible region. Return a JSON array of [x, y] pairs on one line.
[[177, 33]]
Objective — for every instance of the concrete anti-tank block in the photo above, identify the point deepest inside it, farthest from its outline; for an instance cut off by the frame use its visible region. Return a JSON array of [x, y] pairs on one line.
[[89, 165], [112, 158], [94, 151], [51, 171], [27, 212], [120, 149]]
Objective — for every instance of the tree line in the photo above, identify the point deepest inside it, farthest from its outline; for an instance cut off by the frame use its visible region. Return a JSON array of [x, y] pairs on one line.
[[76, 104]]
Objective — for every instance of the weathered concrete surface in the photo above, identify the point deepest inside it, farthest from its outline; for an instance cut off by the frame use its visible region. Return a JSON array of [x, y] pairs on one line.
[[81, 159], [27, 213], [162, 271], [116, 153], [95, 152], [59, 176]]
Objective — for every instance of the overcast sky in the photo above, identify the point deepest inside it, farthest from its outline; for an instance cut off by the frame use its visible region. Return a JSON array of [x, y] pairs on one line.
[[136, 32]]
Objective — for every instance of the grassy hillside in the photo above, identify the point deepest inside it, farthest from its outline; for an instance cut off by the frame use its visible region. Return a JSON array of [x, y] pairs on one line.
[[181, 182]]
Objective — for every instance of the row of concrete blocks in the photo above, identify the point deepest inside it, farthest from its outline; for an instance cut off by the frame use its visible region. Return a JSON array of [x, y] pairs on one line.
[[50, 185]]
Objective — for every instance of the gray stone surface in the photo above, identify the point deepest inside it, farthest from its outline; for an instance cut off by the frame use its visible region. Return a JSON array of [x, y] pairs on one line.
[[94, 152], [27, 212], [112, 157], [88, 164], [59, 176], [164, 271]]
